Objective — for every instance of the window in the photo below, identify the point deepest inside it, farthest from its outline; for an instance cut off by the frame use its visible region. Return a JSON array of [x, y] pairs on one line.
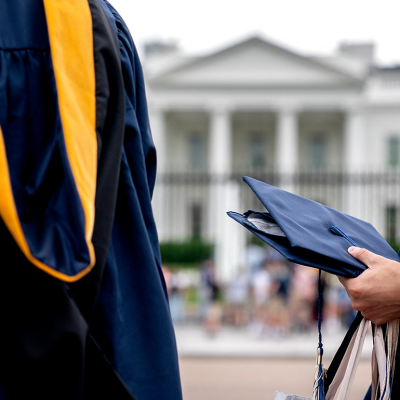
[[391, 223], [317, 151], [196, 220], [393, 150], [257, 151], [196, 151]]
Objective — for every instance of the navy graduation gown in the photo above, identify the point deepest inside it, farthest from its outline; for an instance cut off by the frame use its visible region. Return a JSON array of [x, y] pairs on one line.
[[133, 303], [83, 305]]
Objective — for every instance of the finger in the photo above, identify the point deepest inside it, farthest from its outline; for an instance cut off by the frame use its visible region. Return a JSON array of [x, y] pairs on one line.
[[363, 255]]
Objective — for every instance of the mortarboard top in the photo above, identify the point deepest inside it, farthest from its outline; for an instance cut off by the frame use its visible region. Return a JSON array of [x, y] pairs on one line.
[[309, 233]]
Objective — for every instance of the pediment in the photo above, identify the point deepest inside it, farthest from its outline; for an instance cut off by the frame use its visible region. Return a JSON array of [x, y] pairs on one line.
[[254, 63]]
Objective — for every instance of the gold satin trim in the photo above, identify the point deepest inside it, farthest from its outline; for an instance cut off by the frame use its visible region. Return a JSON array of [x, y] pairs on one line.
[[9, 214], [71, 41]]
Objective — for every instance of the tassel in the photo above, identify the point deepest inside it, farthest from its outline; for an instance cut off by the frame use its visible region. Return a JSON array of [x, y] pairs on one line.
[[392, 335], [393, 339], [384, 360], [318, 389]]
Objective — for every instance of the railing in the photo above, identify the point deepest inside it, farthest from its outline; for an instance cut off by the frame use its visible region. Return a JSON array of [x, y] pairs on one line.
[[188, 198], [194, 205]]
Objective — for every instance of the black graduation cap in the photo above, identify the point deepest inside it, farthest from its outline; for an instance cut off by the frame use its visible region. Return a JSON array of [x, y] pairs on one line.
[[309, 233]]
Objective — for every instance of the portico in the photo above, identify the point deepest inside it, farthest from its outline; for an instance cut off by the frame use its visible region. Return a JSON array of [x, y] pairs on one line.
[[227, 140], [252, 108]]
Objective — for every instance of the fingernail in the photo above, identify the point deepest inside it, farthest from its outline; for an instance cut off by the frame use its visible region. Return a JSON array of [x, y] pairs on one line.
[[351, 249]]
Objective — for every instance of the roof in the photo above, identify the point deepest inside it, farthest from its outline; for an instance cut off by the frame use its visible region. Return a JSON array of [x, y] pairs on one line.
[[254, 62]]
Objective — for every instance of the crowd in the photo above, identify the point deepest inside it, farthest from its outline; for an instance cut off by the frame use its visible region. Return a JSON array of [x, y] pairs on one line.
[[269, 296]]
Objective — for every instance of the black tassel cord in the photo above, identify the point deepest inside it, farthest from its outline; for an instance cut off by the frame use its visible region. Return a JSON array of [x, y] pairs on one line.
[[318, 387]]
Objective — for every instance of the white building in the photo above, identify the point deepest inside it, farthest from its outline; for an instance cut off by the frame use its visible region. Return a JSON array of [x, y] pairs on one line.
[[258, 107]]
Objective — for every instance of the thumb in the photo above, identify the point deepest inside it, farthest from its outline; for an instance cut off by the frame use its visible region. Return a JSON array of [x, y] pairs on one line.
[[363, 255]]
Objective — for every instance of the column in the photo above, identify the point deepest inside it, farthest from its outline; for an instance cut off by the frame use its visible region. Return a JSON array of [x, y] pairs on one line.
[[220, 142], [354, 154], [354, 140], [224, 196], [287, 148], [231, 236], [160, 196]]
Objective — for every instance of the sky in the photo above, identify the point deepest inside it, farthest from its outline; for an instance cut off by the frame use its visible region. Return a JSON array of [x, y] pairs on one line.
[[308, 27]]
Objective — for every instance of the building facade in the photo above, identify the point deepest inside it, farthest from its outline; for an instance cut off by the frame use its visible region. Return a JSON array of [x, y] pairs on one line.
[[317, 126]]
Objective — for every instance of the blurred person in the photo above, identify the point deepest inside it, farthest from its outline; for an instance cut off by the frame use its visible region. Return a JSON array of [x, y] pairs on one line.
[[167, 278], [180, 283], [281, 274], [277, 317], [346, 312], [278, 313], [176, 303], [212, 322], [332, 311], [204, 288], [303, 291], [83, 299], [237, 295], [261, 287], [255, 255]]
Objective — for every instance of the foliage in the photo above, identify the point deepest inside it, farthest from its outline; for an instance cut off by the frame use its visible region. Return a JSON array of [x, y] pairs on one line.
[[253, 239], [394, 244], [186, 253]]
